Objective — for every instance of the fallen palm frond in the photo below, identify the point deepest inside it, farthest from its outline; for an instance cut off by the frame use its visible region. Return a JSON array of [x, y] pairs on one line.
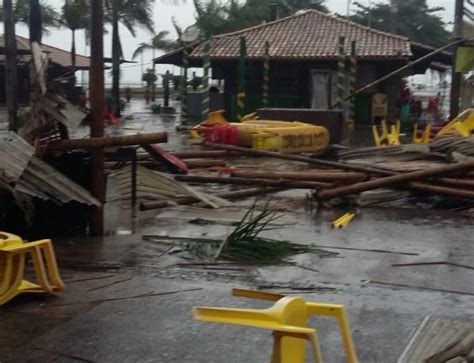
[[244, 244]]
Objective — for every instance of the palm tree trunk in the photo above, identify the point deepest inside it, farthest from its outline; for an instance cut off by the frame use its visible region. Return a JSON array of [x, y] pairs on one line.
[[115, 63], [73, 57], [153, 87], [36, 25]]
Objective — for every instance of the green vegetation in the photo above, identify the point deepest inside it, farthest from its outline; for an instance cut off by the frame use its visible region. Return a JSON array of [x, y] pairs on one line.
[[75, 16], [216, 17], [414, 19], [131, 14]]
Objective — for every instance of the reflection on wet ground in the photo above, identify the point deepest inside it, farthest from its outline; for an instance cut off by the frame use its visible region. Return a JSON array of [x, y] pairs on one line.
[[129, 298]]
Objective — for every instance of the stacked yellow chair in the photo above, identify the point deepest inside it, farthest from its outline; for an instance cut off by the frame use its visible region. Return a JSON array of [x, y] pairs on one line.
[[13, 254], [385, 137], [287, 318]]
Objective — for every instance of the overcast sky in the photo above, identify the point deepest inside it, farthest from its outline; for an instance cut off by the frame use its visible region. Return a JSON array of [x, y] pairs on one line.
[[184, 14]]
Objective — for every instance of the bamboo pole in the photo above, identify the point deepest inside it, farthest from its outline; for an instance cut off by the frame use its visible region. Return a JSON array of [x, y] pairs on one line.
[[438, 189], [313, 161], [353, 85], [287, 184], [184, 85], [190, 154], [105, 142], [238, 194], [395, 179], [341, 74], [457, 182], [241, 80], [266, 75], [320, 176], [205, 80]]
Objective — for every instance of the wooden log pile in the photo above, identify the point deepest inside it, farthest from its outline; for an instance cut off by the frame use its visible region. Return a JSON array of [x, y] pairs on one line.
[[355, 171]]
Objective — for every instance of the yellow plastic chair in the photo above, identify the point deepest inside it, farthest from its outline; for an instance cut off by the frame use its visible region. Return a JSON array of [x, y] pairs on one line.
[[287, 318], [385, 137], [379, 106], [13, 252], [425, 136], [461, 125], [250, 117]]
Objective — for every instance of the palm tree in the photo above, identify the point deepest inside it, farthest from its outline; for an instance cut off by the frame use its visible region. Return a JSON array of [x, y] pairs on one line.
[[130, 13], [74, 17], [158, 42], [49, 16]]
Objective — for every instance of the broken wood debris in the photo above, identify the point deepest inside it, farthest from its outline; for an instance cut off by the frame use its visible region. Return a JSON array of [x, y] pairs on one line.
[[234, 195], [286, 184], [315, 176], [109, 284], [424, 288], [395, 179], [140, 296], [107, 142], [366, 250], [435, 263]]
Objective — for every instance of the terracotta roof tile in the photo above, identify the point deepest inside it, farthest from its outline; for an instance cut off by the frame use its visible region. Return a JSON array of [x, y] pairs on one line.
[[56, 55], [308, 35]]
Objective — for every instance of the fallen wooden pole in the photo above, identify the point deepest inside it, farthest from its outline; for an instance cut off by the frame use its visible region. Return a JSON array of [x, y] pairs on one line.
[[203, 163], [345, 166], [394, 180], [287, 184], [198, 154], [238, 194], [105, 142], [438, 189], [319, 176], [457, 182], [313, 161], [192, 164]]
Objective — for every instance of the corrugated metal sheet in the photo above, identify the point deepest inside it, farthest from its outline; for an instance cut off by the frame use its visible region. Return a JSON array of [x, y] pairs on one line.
[[34, 177], [432, 336], [15, 154]]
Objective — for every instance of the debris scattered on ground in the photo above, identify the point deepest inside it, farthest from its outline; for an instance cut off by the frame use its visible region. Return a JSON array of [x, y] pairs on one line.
[[436, 263], [423, 288], [343, 221]]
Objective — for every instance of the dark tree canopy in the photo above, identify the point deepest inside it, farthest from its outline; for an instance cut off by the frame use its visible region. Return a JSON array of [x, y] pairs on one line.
[[414, 19], [217, 17]]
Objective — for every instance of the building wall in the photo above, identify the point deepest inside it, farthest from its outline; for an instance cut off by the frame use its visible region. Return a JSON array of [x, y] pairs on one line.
[[291, 85]]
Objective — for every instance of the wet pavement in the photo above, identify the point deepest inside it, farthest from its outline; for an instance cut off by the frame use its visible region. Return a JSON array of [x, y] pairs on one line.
[[129, 300]]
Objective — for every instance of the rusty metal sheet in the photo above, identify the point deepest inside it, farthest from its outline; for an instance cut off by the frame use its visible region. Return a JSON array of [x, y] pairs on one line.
[[15, 154], [432, 336], [43, 181], [33, 176]]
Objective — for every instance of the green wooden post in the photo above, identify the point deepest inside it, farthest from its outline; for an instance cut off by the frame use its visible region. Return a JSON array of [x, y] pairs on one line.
[[184, 85], [353, 85], [266, 75], [341, 73], [241, 80], [205, 79]]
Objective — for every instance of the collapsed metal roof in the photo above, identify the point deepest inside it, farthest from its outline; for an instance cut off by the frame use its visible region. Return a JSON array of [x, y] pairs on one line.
[[15, 154], [30, 175]]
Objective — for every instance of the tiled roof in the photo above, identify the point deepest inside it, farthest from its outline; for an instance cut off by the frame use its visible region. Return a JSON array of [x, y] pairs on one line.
[[56, 55], [308, 35]]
